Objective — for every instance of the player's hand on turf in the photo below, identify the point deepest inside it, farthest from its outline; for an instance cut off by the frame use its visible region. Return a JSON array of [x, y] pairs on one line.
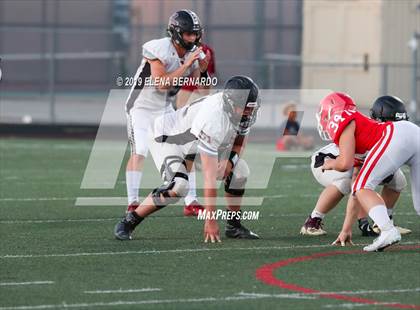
[[203, 63], [343, 238], [211, 231], [193, 57]]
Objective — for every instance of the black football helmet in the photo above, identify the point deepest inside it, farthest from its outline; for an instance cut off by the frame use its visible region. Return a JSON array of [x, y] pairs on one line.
[[241, 92], [184, 21], [388, 108]]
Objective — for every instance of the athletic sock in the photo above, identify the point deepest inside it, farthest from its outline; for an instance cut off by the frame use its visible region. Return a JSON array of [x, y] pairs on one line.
[[192, 193], [316, 213], [380, 216], [133, 179], [137, 217], [363, 221], [390, 213], [133, 219]]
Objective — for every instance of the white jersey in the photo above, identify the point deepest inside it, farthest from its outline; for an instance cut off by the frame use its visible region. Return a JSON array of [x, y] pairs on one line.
[[201, 125], [329, 151], [148, 97], [342, 180]]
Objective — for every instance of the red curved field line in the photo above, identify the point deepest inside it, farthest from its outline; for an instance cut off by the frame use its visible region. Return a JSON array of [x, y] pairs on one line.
[[266, 275]]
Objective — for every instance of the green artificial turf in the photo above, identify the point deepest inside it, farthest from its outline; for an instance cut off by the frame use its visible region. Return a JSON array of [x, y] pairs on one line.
[[45, 237]]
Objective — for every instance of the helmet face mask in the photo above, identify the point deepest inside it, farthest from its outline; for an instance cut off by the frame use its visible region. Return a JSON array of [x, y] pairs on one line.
[[241, 102], [184, 21], [330, 112], [249, 115], [322, 118]]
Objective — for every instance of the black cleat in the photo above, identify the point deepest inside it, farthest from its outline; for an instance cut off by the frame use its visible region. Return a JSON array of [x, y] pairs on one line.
[[239, 232], [367, 230], [125, 227], [121, 231]]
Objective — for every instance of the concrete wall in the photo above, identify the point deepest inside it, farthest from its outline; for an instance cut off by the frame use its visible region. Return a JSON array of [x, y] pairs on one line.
[[344, 31], [399, 21], [241, 32]]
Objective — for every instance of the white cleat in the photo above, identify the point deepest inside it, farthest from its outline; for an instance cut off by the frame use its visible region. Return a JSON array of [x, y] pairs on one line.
[[402, 230], [313, 227], [310, 231], [385, 239]]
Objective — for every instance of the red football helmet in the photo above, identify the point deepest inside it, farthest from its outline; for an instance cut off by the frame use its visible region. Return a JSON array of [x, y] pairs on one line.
[[330, 111]]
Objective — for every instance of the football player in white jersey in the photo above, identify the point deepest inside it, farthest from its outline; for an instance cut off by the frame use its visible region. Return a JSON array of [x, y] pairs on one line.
[[338, 184], [215, 127], [154, 90]]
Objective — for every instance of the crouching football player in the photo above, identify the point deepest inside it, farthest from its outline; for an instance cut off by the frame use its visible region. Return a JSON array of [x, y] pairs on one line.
[[338, 184], [209, 127], [388, 146]]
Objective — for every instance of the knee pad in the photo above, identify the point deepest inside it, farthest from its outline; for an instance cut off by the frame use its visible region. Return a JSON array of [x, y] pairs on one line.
[[398, 181], [175, 176], [179, 188], [235, 182], [171, 166]]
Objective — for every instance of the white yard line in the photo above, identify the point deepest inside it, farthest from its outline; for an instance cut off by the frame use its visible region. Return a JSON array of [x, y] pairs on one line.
[[303, 215], [149, 301], [25, 283], [197, 250], [122, 201], [41, 221], [238, 297], [364, 292], [361, 292], [121, 291], [354, 305], [290, 296], [97, 201], [161, 251]]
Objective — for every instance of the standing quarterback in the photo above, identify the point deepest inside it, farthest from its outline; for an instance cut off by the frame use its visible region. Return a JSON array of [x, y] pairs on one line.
[[164, 61], [216, 127]]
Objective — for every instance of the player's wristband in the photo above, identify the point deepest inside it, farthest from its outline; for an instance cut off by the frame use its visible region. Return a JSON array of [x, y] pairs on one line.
[[233, 158], [204, 74]]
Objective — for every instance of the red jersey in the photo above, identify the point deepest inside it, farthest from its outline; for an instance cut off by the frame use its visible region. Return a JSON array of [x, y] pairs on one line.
[[367, 131]]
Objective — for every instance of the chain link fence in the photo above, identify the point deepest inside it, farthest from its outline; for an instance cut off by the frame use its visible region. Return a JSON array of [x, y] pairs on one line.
[[60, 58]]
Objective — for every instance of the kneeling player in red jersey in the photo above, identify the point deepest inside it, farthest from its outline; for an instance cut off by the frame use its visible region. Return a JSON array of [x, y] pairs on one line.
[[384, 146]]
